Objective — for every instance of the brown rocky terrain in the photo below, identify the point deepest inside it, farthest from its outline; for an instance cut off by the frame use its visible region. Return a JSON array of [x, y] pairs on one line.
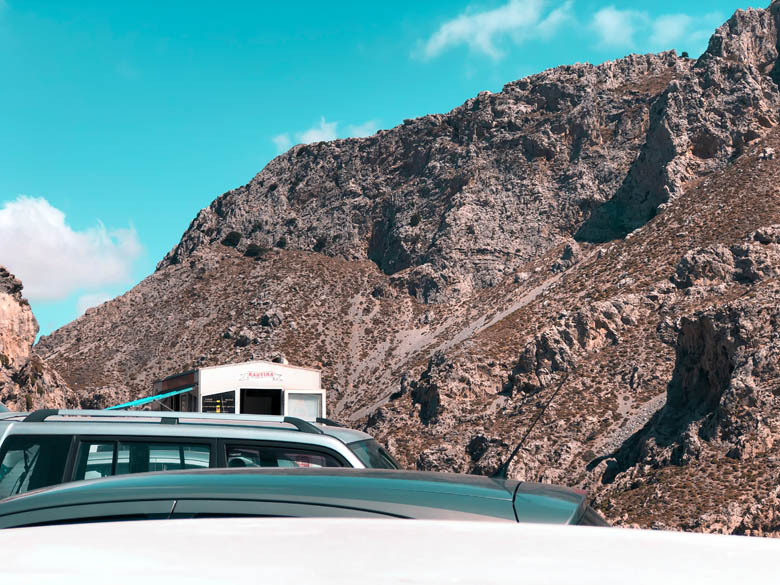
[[26, 382], [606, 236]]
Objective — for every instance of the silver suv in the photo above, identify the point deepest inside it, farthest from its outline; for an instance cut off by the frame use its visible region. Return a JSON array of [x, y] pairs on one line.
[[48, 447]]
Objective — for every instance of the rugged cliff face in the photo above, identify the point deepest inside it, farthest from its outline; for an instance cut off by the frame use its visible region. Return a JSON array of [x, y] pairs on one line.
[[26, 382], [705, 118], [719, 425], [19, 325], [453, 203], [600, 238]]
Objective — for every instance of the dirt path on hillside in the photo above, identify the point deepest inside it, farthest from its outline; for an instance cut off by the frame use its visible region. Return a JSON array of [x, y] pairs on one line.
[[630, 424], [427, 341]]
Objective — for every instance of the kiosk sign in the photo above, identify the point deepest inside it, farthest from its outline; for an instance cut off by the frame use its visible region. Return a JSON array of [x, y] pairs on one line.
[[258, 375]]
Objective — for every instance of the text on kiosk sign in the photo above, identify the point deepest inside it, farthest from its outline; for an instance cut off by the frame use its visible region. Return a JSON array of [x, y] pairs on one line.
[[261, 375]]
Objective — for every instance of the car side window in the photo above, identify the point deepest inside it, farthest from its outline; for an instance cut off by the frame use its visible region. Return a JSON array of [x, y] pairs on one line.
[[139, 457], [29, 462], [100, 458], [275, 456], [95, 460]]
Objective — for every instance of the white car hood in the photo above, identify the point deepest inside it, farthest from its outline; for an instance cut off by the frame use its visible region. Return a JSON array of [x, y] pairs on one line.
[[345, 551]]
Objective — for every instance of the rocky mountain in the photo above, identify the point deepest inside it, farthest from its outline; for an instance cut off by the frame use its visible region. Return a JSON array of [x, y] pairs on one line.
[[26, 382], [593, 246], [449, 204]]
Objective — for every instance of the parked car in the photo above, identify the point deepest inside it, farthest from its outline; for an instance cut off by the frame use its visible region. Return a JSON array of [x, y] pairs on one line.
[[48, 447], [300, 492], [354, 552]]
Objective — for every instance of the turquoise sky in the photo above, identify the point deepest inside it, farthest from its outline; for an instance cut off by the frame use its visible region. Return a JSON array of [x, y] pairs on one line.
[[120, 120]]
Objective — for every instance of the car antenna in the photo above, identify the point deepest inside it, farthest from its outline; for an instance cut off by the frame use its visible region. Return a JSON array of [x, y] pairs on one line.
[[501, 472]]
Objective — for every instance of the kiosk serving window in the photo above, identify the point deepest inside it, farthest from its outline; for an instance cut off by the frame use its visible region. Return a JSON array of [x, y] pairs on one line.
[[223, 402], [261, 401], [308, 406]]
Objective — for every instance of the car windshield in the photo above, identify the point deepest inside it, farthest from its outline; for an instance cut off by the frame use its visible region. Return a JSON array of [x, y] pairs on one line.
[[373, 455]]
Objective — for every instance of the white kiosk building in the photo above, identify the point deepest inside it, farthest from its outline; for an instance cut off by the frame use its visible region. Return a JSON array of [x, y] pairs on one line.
[[256, 387]]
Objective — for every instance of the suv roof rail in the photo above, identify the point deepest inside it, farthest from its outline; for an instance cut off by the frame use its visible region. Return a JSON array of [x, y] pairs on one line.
[[175, 417], [327, 421], [41, 415]]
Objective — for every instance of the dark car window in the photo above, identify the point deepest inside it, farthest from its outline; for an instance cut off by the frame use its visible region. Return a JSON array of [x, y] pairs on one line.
[[100, 458], [275, 456], [29, 462], [372, 454], [95, 460]]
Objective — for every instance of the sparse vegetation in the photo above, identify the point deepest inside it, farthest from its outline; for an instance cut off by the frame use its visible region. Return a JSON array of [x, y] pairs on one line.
[[232, 239], [320, 244], [255, 251]]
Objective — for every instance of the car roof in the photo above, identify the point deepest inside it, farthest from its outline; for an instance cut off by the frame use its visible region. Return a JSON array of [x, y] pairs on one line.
[[353, 552], [205, 431], [403, 493], [344, 434], [209, 421], [196, 429]]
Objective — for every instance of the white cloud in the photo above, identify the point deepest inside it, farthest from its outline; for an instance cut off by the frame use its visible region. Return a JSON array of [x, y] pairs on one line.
[[617, 28], [669, 29], [282, 142], [88, 301], [684, 32], [363, 130], [636, 30], [325, 131], [52, 259], [520, 20], [555, 21], [322, 132]]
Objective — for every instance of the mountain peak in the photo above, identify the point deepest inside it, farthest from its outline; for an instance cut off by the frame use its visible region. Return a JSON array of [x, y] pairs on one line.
[[749, 37]]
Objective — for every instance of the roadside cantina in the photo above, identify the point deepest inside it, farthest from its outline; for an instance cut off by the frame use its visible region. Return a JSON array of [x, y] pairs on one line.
[[256, 387]]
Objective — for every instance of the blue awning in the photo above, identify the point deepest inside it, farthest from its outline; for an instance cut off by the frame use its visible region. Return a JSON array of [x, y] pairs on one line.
[[148, 399]]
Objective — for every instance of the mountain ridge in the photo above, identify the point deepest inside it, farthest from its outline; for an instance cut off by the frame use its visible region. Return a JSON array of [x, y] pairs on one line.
[[438, 169]]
